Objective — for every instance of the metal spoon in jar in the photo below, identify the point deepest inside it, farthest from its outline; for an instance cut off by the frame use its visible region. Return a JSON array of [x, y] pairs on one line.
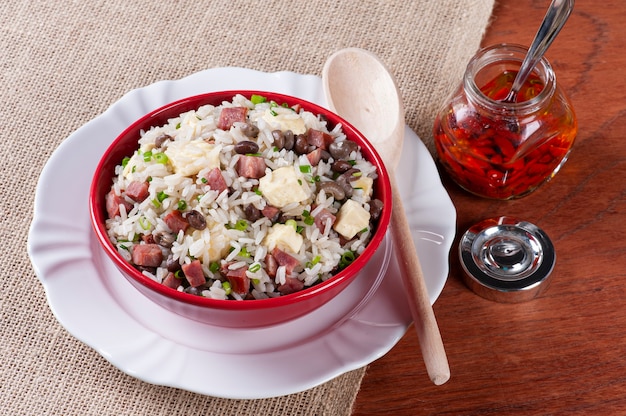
[[359, 87], [552, 23]]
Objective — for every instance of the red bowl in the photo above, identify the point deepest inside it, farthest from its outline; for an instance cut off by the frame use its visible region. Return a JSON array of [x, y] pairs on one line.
[[231, 313]]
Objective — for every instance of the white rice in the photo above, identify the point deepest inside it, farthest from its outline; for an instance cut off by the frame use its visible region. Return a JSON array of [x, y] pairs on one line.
[[322, 249]]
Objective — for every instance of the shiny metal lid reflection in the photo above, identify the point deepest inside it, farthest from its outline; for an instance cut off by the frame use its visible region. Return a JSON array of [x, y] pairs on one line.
[[506, 259]]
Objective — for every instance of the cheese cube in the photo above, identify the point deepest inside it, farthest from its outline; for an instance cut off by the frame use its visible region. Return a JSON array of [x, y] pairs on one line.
[[284, 186], [351, 219], [284, 119], [365, 183], [284, 237], [189, 157]]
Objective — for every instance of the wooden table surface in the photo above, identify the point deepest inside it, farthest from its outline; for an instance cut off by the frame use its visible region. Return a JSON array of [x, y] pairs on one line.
[[564, 352]]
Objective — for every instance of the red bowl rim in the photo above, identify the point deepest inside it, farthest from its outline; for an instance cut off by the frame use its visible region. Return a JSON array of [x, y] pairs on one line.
[[97, 216]]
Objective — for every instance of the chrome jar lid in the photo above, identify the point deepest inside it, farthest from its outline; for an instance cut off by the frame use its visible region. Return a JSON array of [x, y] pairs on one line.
[[506, 259]]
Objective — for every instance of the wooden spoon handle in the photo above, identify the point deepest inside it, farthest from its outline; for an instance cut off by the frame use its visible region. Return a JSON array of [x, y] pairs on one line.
[[431, 344]]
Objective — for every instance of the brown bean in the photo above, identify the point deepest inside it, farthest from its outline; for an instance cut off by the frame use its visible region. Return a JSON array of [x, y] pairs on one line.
[[340, 166], [159, 141], [340, 150], [344, 182], [171, 264], [164, 239], [252, 213], [250, 130], [334, 189], [289, 139], [245, 147], [376, 208], [279, 139], [302, 146], [196, 220], [351, 174]]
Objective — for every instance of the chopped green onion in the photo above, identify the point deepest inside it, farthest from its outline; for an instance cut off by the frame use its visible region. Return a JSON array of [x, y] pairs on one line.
[[305, 168], [214, 267], [244, 252], [147, 156], [257, 99], [299, 182], [144, 223], [182, 205], [162, 196], [256, 281], [272, 105], [258, 191], [313, 262], [352, 162], [254, 268], [306, 213], [178, 274], [125, 247], [299, 229], [204, 180], [149, 179], [241, 225], [227, 287], [161, 158], [177, 126], [156, 203], [285, 105], [346, 259], [292, 223], [125, 161]]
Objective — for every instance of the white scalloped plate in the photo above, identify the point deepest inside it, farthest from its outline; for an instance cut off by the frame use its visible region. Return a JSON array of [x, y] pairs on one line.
[[99, 307]]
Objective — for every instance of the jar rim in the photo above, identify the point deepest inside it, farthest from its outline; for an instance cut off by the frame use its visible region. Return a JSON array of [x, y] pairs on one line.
[[512, 54]]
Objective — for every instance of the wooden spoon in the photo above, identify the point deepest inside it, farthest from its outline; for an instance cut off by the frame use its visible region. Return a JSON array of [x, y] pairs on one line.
[[359, 87]]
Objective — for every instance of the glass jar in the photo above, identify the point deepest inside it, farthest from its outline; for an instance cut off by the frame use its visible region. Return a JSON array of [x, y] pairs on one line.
[[498, 149]]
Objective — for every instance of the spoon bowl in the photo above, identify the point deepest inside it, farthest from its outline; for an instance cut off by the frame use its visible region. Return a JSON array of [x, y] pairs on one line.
[[360, 88]]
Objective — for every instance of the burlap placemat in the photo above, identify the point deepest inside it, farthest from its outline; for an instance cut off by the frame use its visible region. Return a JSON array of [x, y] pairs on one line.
[[64, 62]]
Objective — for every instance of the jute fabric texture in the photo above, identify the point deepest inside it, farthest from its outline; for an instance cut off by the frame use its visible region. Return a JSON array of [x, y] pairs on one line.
[[64, 62]]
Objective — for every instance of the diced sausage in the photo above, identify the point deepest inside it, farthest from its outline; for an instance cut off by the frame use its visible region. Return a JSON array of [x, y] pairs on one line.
[[285, 259], [147, 255], [137, 190], [193, 273], [251, 166], [216, 180], [113, 203], [291, 285], [171, 281], [315, 156], [176, 222], [319, 139], [271, 266], [231, 115], [239, 281], [270, 212], [321, 217]]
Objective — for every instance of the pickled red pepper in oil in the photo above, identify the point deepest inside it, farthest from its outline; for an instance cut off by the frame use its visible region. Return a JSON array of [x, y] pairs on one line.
[[499, 152]]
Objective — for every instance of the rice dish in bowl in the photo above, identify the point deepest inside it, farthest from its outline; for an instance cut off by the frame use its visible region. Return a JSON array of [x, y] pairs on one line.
[[240, 208]]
